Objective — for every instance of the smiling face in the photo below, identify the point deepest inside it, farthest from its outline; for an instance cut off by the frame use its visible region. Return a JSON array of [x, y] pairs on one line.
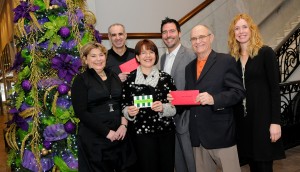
[[117, 36], [201, 39], [170, 36], [96, 60], [146, 58], [242, 31]]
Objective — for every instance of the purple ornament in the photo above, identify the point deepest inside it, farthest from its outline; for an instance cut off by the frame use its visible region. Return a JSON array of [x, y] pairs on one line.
[[26, 85], [47, 144], [69, 127], [64, 32], [63, 89]]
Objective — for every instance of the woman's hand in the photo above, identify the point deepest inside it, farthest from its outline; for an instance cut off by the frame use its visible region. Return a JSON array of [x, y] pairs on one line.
[[111, 135], [133, 110], [275, 132], [157, 106], [121, 132]]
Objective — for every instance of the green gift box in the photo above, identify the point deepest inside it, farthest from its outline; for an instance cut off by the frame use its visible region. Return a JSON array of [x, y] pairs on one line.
[[143, 101]]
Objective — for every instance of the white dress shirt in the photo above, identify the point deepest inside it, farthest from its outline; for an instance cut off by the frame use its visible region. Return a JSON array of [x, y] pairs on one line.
[[170, 57]]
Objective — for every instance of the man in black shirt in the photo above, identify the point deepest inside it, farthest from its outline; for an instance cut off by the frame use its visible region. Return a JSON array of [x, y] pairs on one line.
[[119, 53]]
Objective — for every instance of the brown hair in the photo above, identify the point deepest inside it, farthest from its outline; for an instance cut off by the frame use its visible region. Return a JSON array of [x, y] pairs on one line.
[[149, 45], [255, 42], [86, 49]]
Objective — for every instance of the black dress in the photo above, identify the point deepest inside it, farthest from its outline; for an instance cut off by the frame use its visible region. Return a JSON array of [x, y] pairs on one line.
[[263, 109], [91, 99]]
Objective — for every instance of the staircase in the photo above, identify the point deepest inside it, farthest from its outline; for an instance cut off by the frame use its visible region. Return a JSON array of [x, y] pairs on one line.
[[288, 28]]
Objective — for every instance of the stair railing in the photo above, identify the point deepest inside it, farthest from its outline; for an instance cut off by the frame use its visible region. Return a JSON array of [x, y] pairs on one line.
[[288, 54]]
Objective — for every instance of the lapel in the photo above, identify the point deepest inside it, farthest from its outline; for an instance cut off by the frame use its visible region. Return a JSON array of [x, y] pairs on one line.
[[209, 63], [194, 70], [162, 61], [177, 60]]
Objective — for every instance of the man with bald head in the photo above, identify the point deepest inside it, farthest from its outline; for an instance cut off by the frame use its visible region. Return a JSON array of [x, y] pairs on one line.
[[212, 127], [119, 52]]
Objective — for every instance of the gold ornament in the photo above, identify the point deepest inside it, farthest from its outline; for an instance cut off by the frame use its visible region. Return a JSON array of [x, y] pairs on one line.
[[44, 151]]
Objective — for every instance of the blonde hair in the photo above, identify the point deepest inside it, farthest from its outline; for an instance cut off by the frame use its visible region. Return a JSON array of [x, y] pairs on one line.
[[255, 42], [87, 48]]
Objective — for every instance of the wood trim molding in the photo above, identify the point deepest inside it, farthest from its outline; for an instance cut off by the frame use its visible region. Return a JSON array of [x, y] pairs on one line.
[[183, 20], [195, 11]]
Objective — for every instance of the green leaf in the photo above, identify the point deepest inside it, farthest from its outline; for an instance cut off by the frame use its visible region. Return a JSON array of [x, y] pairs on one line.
[[49, 25], [20, 98], [58, 161], [49, 120], [86, 38], [24, 74], [26, 54], [56, 40], [41, 4]]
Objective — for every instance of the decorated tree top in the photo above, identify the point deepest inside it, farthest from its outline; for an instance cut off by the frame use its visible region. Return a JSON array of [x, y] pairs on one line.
[[42, 129]]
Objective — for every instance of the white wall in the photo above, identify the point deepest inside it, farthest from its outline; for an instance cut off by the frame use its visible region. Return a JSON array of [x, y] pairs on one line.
[[217, 15], [139, 15]]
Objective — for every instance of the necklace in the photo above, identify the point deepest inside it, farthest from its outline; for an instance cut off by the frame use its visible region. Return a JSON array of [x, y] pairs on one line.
[[102, 74], [244, 100]]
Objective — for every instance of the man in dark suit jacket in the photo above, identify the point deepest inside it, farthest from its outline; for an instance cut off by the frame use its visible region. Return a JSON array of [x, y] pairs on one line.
[[174, 62], [212, 126]]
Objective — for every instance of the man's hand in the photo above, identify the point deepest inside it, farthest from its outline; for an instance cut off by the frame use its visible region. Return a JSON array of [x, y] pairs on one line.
[[205, 99], [123, 76], [170, 98]]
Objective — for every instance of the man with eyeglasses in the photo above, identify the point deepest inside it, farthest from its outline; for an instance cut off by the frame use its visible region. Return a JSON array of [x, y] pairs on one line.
[[174, 62], [212, 127], [119, 53]]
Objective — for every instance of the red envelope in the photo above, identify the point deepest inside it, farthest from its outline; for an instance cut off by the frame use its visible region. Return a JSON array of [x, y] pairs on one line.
[[129, 66], [185, 97]]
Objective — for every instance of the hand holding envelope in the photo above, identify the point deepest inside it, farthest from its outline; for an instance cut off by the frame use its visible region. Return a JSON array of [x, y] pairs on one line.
[[205, 99]]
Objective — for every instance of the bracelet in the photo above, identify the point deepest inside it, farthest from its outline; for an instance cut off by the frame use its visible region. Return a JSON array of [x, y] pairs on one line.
[[124, 125]]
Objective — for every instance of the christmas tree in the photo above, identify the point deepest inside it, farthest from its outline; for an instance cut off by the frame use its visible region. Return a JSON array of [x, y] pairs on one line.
[[48, 35]]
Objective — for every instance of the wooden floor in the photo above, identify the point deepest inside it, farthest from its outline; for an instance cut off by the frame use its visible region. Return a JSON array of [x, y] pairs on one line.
[[290, 164]]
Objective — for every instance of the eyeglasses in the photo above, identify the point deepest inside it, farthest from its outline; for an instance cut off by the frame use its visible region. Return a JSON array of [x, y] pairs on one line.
[[201, 38]]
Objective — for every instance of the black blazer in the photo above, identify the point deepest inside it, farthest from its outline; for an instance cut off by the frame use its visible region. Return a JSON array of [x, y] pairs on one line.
[[213, 126]]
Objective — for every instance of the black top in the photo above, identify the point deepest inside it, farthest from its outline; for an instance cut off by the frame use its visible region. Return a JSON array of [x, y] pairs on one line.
[[148, 121], [114, 60], [263, 108], [91, 98]]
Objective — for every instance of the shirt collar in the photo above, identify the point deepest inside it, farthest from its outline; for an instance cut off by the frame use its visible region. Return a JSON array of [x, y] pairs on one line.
[[175, 51]]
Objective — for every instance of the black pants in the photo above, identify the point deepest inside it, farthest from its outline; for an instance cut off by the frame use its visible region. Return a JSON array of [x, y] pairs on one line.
[[155, 153], [261, 166]]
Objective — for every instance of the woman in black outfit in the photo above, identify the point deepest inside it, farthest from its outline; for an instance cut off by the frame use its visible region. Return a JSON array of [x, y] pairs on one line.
[[258, 120], [96, 93], [151, 128]]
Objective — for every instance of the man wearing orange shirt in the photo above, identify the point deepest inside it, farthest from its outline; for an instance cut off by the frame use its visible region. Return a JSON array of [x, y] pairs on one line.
[[212, 127]]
